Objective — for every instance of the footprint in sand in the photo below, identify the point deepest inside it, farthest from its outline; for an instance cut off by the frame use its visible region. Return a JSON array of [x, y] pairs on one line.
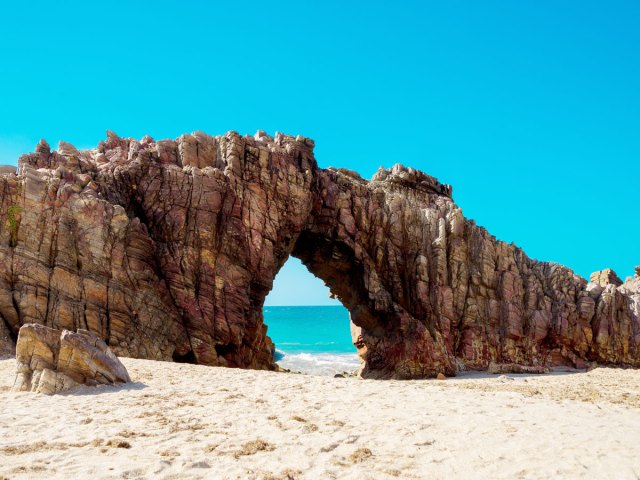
[[329, 448], [197, 464]]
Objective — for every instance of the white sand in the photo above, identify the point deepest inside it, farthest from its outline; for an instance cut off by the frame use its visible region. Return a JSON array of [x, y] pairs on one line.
[[185, 421]]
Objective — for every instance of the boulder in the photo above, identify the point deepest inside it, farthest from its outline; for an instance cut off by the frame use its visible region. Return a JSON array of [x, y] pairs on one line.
[[51, 361]]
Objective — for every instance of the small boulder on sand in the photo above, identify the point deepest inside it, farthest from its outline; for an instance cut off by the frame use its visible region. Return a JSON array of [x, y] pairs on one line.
[[51, 361]]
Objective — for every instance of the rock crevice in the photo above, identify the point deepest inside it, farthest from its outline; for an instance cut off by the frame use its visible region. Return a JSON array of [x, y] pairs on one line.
[[167, 250]]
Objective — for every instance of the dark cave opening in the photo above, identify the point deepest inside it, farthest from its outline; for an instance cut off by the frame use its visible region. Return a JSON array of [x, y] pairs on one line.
[[188, 357]]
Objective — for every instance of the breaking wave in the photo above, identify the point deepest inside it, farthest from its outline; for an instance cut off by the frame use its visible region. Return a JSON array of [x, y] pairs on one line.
[[322, 364]]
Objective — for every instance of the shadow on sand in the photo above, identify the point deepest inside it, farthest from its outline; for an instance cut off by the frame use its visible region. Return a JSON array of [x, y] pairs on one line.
[[479, 375], [103, 389]]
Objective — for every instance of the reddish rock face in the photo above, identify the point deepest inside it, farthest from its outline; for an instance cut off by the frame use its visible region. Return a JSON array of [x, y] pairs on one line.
[[167, 250]]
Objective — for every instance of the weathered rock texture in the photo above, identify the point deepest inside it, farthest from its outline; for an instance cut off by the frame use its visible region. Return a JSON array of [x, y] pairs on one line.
[[167, 249], [50, 361], [606, 277]]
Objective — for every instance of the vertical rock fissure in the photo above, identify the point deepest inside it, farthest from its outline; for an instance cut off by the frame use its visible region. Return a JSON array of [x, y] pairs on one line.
[[10, 332], [136, 209]]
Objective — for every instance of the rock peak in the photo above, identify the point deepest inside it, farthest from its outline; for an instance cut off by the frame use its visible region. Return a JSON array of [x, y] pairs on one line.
[[43, 147], [605, 277], [412, 178], [67, 149]]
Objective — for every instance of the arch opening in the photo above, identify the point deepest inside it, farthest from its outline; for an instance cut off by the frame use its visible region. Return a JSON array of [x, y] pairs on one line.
[[309, 328], [335, 263]]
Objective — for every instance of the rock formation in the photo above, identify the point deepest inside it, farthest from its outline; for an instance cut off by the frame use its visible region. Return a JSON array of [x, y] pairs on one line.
[[606, 277], [51, 361], [167, 249]]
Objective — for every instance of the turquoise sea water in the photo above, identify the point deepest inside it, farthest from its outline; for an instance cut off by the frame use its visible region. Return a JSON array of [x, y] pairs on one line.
[[314, 340]]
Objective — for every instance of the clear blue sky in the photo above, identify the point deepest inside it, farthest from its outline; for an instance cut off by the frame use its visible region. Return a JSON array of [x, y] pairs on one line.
[[530, 109]]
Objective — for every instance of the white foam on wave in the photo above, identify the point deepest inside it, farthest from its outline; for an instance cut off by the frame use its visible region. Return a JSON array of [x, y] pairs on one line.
[[323, 364]]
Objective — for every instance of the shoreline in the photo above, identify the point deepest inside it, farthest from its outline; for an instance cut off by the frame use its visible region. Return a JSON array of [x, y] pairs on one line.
[[323, 364]]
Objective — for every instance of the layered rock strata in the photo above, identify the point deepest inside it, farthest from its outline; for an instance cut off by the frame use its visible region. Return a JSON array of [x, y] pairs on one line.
[[51, 361], [605, 277], [167, 250]]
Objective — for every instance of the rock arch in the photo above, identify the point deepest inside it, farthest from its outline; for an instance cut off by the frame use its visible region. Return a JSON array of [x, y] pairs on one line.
[[168, 249]]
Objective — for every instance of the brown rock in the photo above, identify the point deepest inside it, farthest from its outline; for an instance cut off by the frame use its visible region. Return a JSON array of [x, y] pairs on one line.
[[606, 277], [441, 376], [50, 361], [496, 368], [7, 348], [7, 170], [167, 250]]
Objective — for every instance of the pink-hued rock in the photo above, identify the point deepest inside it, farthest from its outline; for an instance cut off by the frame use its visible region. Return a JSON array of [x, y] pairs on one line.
[[167, 250]]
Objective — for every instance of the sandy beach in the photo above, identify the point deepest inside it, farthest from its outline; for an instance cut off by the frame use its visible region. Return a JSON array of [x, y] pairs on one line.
[[178, 421]]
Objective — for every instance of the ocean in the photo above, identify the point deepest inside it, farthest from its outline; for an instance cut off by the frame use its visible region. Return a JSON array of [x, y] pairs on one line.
[[313, 340]]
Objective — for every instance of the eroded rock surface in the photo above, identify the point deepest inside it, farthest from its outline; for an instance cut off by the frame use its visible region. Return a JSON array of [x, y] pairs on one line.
[[606, 277], [51, 361], [167, 250]]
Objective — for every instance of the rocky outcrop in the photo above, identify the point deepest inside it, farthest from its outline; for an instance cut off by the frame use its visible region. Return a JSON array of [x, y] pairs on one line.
[[606, 277], [167, 250], [51, 361]]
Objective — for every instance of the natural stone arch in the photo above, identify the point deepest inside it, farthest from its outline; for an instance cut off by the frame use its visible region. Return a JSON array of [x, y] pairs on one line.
[[167, 250], [346, 244]]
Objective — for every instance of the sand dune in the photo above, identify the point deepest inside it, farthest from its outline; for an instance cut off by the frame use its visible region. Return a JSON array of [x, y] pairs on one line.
[[180, 421]]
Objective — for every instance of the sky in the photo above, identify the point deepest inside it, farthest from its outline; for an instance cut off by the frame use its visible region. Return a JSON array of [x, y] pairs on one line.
[[530, 109]]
